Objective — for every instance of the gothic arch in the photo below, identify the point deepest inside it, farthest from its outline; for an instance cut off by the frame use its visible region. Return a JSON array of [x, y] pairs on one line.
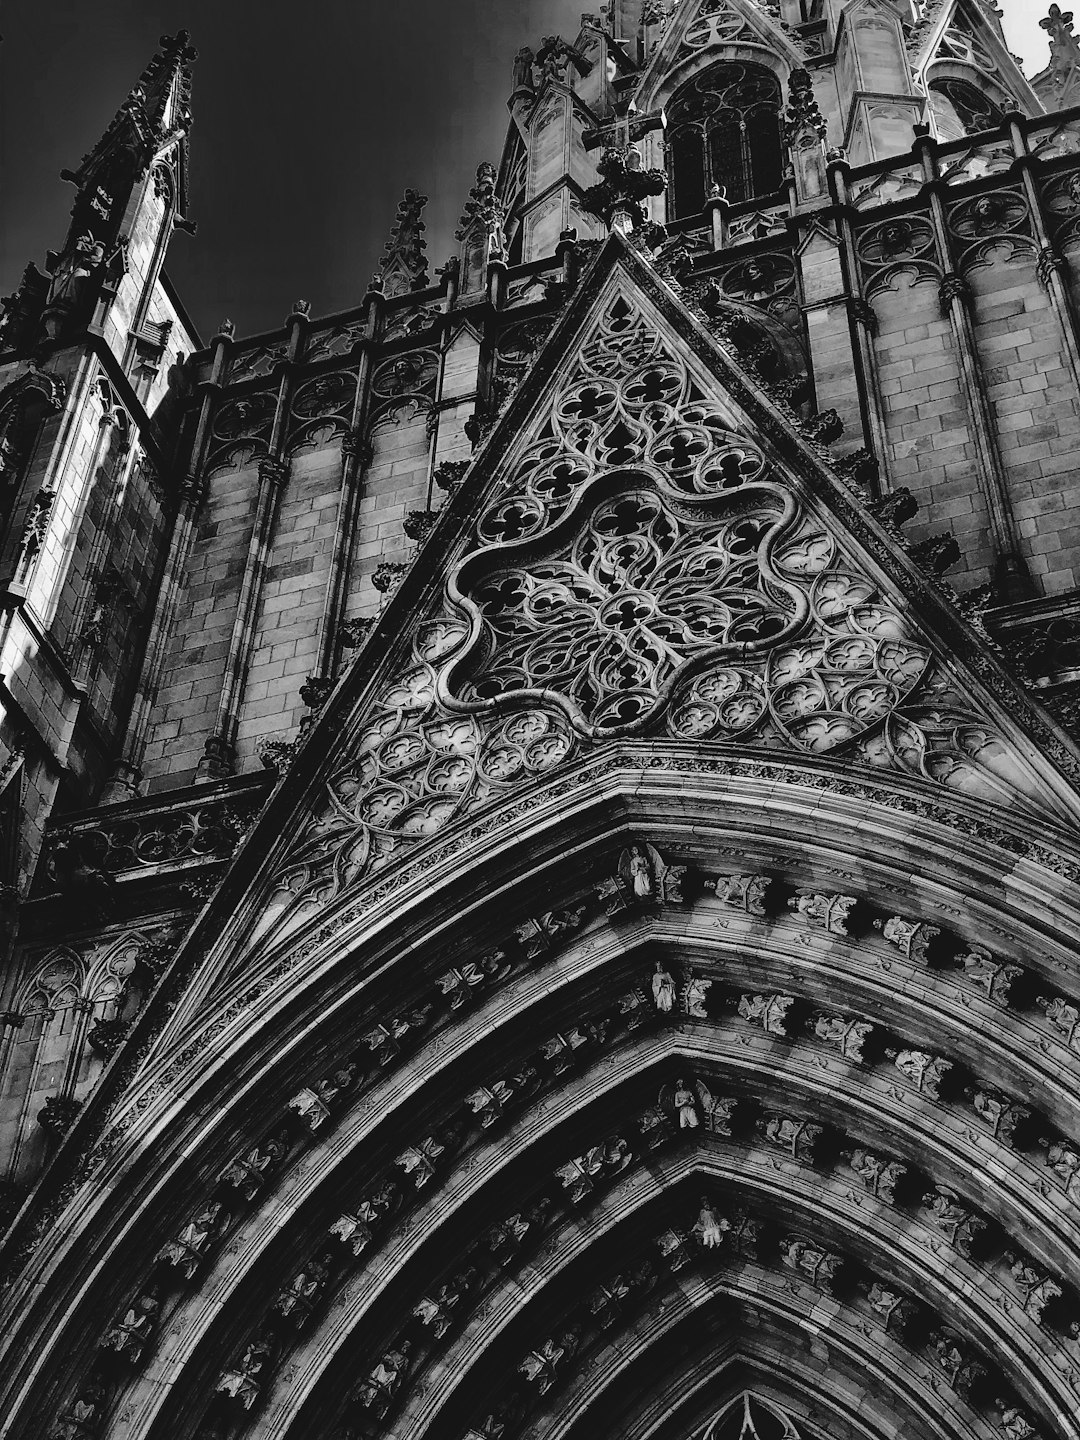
[[725, 131], [560, 970]]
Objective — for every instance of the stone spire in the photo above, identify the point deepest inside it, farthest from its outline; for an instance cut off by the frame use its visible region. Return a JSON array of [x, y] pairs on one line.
[[157, 109], [480, 230], [1064, 46], [403, 266]]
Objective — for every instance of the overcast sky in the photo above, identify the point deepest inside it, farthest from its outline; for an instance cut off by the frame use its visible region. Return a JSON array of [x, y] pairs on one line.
[[310, 119]]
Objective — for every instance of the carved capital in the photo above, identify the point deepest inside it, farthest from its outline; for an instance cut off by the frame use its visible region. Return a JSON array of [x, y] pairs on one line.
[[953, 288], [273, 471], [1050, 262]]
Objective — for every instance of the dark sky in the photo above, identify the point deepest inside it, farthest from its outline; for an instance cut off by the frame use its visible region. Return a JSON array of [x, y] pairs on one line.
[[309, 121]]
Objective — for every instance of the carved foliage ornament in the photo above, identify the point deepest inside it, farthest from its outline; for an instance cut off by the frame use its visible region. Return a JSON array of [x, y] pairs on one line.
[[640, 567]]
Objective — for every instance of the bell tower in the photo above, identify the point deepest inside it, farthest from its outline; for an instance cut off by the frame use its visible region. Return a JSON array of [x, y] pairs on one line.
[[89, 353]]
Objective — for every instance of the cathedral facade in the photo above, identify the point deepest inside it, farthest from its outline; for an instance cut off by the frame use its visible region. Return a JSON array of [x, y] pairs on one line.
[[541, 813]]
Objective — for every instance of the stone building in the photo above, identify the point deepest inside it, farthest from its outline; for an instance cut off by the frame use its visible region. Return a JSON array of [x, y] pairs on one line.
[[531, 907]]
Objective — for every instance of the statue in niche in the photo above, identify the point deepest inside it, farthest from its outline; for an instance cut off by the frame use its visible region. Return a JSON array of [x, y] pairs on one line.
[[130, 1336], [710, 1228], [663, 989], [685, 1102], [696, 996], [189, 1248]]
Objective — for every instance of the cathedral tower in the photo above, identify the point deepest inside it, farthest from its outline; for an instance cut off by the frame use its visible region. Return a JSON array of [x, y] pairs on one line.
[[533, 906]]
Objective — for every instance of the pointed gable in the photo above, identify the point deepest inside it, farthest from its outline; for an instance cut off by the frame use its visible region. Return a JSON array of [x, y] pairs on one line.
[[645, 546], [716, 28]]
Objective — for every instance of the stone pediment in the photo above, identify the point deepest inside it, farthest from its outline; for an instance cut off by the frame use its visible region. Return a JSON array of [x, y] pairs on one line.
[[647, 544]]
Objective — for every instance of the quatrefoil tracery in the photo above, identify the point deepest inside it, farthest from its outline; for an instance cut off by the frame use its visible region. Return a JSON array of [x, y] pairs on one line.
[[608, 615]]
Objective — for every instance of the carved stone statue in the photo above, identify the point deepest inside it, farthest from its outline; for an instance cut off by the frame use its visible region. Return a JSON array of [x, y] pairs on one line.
[[248, 1174], [245, 1380], [377, 1392], [523, 69], [710, 1228], [198, 1236], [685, 1106], [663, 989], [130, 1336], [696, 997]]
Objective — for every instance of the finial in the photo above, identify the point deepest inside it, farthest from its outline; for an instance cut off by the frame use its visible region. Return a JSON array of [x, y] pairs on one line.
[[404, 265], [1064, 46], [618, 199], [803, 112]]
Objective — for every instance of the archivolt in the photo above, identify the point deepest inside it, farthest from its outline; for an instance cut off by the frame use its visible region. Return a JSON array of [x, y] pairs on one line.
[[563, 948]]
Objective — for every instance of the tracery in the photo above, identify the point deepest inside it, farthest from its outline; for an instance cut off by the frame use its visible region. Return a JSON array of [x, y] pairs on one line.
[[724, 130]]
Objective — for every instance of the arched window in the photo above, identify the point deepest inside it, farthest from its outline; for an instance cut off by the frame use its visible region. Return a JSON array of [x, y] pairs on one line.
[[724, 129], [960, 109]]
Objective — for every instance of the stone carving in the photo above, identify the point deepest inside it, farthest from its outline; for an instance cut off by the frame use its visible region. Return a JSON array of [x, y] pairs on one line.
[[196, 1240], [831, 912], [849, 1036], [901, 246], [771, 1012], [913, 938], [83, 1417], [1065, 1162], [313, 1105], [58, 1115], [421, 1161], [881, 1176], [358, 1230], [926, 1072], [961, 1226], [435, 1311], [994, 977], [245, 1380], [157, 835], [800, 1138], [470, 980], [132, 1333], [696, 996], [1003, 1116], [537, 936], [955, 1358], [744, 892], [579, 635], [624, 186], [643, 879], [376, 1392], [1034, 1285], [299, 1298], [249, 1172], [1063, 1016], [582, 1175], [541, 1367], [663, 989], [403, 266], [709, 1228], [823, 1267], [896, 1311]]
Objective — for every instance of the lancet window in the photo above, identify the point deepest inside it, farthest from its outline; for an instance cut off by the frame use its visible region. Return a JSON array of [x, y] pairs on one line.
[[724, 129]]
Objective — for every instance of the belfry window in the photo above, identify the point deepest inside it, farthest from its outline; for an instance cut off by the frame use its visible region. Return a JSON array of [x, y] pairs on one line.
[[724, 129]]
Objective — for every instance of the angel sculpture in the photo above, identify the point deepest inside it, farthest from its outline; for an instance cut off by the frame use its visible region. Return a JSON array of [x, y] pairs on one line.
[[696, 997], [691, 1104], [644, 878]]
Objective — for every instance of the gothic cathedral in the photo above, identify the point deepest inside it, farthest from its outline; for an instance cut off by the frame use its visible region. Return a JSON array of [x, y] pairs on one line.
[[540, 814]]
